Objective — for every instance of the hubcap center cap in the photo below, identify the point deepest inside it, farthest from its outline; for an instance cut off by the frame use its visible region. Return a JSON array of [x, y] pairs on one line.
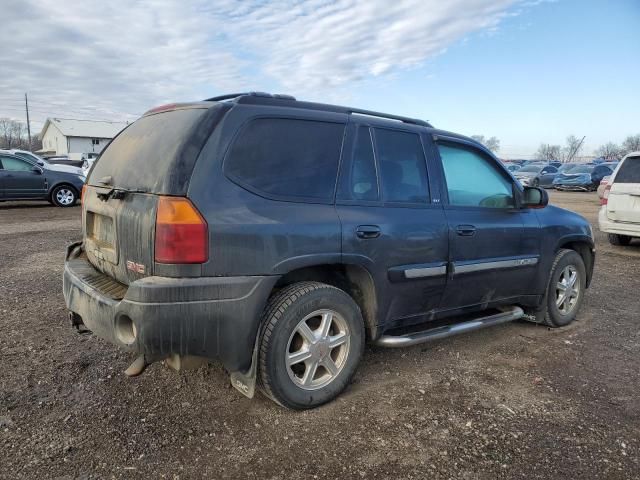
[[321, 349]]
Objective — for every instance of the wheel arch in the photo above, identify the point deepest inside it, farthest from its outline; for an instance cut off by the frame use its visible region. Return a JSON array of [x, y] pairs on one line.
[[584, 246], [354, 279]]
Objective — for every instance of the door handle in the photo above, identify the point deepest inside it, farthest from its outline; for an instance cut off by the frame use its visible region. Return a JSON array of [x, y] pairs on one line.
[[466, 230], [368, 231]]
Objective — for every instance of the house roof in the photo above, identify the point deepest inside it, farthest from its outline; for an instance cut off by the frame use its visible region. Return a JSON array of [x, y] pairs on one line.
[[70, 127]]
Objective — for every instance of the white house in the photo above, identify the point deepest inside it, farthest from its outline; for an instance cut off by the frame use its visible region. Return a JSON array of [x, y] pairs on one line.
[[64, 136]]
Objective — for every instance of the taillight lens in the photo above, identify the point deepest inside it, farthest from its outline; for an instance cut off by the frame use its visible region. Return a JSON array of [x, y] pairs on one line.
[[605, 195], [82, 194], [181, 232]]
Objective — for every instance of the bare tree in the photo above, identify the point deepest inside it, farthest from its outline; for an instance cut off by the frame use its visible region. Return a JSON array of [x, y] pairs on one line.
[[631, 144], [549, 152], [571, 149], [492, 143], [609, 151], [13, 134]]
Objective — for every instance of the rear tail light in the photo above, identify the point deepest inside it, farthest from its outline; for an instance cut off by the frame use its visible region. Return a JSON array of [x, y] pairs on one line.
[[181, 232], [82, 194], [605, 195]]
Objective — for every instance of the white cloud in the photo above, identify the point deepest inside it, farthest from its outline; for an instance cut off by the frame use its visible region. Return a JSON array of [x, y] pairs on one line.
[[94, 59]]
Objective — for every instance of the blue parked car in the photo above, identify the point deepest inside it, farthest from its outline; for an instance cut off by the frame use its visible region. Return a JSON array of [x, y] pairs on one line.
[[584, 178]]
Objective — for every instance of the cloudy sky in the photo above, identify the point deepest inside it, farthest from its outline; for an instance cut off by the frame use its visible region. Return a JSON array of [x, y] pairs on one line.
[[526, 71]]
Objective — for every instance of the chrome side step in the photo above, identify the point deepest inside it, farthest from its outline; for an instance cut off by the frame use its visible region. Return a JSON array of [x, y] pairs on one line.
[[508, 314]]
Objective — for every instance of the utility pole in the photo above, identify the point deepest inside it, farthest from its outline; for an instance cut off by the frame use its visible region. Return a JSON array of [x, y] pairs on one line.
[[26, 106], [576, 150]]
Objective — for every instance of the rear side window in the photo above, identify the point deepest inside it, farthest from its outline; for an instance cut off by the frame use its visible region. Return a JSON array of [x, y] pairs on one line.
[[629, 171], [473, 180], [361, 182], [287, 157], [402, 165]]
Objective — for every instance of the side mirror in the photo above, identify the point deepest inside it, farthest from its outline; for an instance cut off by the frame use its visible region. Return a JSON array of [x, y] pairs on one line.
[[535, 197], [37, 170]]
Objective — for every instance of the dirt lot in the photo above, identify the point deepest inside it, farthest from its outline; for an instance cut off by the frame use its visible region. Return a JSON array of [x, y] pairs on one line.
[[517, 401]]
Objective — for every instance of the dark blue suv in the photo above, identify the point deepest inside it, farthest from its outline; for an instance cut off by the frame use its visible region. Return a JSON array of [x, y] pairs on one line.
[[278, 236]]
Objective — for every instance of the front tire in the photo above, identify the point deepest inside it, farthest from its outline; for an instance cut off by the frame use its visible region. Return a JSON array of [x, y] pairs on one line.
[[64, 196], [565, 290], [312, 340], [619, 240]]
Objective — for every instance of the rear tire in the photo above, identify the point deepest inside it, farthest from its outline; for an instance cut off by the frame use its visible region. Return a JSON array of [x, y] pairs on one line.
[[312, 340], [565, 290], [619, 240], [64, 196]]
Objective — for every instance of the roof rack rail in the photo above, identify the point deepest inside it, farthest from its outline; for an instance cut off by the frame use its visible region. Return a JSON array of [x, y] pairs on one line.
[[231, 96], [371, 113], [268, 98]]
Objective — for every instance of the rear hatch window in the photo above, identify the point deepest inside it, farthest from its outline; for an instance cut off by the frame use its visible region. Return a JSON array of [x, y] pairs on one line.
[[155, 154], [624, 197], [629, 171]]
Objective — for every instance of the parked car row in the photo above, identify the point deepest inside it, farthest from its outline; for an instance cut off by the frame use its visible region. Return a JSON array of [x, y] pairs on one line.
[[562, 176], [25, 176]]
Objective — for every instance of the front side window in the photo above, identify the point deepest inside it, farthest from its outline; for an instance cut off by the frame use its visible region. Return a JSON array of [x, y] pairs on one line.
[[473, 180], [16, 165], [287, 157], [402, 165]]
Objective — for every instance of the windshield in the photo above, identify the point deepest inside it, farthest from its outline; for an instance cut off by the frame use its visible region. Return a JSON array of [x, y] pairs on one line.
[[32, 157], [582, 169], [531, 168]]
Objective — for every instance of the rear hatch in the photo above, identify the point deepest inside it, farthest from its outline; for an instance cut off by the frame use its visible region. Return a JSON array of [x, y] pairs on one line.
[[153, 156], [624, 197]]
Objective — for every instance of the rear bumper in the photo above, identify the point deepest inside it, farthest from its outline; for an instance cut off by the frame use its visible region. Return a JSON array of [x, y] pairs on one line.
[[213, 317], [621, 228]]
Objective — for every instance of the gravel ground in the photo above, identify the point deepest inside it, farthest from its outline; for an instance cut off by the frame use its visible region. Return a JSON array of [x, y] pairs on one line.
[[515, 401]]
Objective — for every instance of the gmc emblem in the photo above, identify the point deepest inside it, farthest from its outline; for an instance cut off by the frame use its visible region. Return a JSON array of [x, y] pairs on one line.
[[135, 267]]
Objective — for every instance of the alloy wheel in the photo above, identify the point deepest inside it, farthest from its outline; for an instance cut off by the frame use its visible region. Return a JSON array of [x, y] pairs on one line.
[[65, 196], [318, 349], [567, 290]]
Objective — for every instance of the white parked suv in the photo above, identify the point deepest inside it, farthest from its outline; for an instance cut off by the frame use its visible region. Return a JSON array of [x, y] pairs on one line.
[[620, 212]]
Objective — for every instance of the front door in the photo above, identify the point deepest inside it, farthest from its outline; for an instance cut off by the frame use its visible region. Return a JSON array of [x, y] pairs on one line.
[[20, 180], [389, 223], [491, 260], [547, 174]]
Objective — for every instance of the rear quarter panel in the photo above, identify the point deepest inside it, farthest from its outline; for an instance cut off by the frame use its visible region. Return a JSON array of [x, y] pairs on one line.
[[250, 234]]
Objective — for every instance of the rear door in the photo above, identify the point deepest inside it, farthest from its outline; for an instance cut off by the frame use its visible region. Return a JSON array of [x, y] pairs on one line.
[[492, 259], [390, 221], [20, 180], [624, 197], [153, 156]]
